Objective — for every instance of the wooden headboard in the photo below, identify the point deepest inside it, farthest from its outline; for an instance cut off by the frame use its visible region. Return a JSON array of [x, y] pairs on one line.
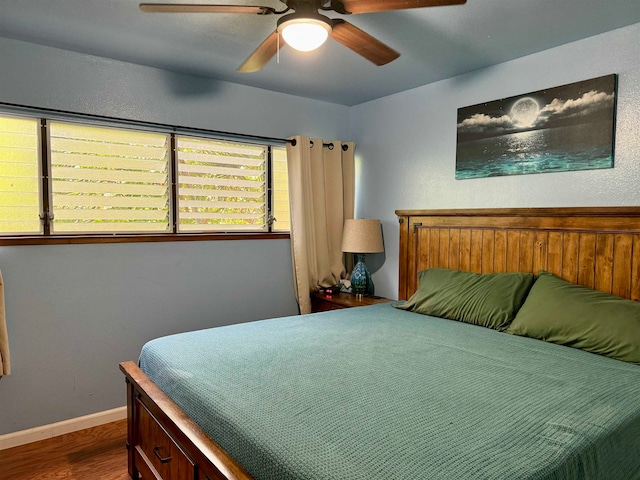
[[598, 247]]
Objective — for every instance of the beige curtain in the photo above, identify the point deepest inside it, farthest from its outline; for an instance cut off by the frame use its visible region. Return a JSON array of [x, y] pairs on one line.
[[321, 197], [4, 339]]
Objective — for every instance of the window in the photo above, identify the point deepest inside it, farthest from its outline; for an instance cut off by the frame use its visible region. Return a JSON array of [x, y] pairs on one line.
[[107, 180], [116, 180], [282, 217], [20, 205], [221, 185]]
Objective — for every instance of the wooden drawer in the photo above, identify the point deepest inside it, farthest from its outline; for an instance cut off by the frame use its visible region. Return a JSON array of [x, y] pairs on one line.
[[158, 457], [322, 303]]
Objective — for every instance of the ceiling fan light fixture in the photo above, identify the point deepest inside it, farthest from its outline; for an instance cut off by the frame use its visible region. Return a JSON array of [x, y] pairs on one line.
[[305, 34]]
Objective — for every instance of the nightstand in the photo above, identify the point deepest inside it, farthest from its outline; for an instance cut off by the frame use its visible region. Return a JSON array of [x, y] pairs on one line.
[[321, 302]]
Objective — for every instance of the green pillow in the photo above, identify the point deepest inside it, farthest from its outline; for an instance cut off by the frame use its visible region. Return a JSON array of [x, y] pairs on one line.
[[561, 312], [491, 299]]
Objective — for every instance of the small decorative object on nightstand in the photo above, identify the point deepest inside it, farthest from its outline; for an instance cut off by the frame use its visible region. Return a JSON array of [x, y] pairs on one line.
[[321, 302], [360, 237]]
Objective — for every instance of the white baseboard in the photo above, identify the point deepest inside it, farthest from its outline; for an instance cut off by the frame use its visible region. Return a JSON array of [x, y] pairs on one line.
[[23, 437]]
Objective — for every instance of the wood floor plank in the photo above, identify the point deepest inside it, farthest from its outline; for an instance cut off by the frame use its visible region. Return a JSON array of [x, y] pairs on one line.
[[97, 453]]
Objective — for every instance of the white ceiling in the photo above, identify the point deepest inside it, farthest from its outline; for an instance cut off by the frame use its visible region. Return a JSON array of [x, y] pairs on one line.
[[435, 43]]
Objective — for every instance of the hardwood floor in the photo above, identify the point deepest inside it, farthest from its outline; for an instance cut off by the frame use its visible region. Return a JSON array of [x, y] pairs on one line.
[[97, 453]]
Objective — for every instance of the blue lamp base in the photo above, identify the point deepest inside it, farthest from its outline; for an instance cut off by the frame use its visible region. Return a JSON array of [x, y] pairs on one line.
[[361, 283]]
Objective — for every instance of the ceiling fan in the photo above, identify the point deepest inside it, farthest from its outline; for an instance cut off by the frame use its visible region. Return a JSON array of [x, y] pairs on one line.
[[306, 29]]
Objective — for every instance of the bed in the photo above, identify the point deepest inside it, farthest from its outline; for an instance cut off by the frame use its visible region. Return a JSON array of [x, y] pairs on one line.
[[377, 392]]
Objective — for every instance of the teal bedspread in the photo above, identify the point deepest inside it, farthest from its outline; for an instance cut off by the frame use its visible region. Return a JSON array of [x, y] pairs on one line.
[[379, 393]]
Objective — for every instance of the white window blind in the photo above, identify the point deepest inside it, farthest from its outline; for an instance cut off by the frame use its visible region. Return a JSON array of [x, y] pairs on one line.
[[19, 176], [108, 180], [221, 185], [280, 186]]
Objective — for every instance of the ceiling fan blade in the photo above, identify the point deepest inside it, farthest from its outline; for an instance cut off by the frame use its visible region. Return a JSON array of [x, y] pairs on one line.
[[368, 6], [362, 43], [261, 55], [204, 8]]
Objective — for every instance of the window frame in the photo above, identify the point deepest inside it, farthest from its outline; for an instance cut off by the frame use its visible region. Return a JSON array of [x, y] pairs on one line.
[[45, 116]]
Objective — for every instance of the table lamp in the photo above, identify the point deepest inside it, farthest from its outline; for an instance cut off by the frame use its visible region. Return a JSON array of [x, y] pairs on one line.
[[360, 237]]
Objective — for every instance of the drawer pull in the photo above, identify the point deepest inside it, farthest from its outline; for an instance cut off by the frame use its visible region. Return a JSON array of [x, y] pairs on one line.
[[162, 459]]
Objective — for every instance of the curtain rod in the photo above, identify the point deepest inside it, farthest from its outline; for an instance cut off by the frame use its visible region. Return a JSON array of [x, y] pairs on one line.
[[157, 124], [141, 123], [331, 146]]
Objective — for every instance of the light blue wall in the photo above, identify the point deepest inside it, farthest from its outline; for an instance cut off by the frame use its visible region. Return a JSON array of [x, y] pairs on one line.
[[407, 142], [75, 311], [51, 78]]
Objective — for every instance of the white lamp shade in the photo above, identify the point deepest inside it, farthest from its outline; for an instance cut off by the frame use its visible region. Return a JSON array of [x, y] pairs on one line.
[[362, 236], [304, 34]]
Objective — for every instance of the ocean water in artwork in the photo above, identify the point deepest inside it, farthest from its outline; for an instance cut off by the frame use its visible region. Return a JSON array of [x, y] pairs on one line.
[[574, 147]]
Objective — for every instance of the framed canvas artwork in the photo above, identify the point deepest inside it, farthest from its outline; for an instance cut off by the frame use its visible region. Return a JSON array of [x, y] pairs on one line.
[[571, 127]]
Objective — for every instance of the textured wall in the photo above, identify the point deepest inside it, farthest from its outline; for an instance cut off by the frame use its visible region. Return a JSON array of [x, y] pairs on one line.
[[51, 78], [75, 311], [407, 142]]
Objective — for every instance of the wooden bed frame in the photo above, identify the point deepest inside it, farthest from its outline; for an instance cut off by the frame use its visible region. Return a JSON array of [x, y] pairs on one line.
[[597, 247]]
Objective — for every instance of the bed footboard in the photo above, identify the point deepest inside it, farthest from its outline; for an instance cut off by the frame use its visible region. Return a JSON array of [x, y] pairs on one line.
[[164, 443]]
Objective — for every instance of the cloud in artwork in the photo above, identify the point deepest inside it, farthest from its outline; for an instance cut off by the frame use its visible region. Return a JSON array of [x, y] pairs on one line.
[[587, 104], [557, 112], [480, 123]]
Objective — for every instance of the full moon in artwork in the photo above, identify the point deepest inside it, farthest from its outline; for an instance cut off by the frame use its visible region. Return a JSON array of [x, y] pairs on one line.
[[524, 112]]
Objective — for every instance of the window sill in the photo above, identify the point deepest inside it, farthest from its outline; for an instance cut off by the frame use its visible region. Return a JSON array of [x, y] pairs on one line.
[[79, 239]]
